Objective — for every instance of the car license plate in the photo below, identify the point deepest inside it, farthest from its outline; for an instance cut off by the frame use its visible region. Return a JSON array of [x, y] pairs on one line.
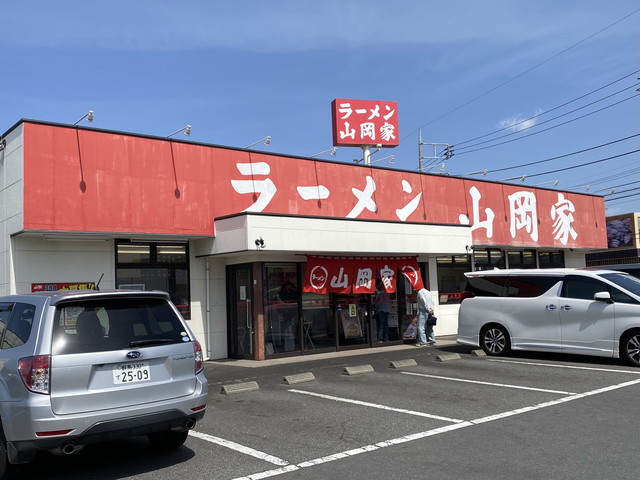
[[131, 373]]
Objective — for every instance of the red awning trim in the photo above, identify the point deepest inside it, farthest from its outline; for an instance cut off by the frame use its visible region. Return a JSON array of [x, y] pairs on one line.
[[342, 274]]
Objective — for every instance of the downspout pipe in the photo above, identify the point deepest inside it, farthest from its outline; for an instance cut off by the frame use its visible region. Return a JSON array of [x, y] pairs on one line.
[[207, 316]]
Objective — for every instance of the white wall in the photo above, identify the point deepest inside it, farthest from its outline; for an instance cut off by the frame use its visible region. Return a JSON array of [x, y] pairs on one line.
[[11, 194], [574, 259], [209, 325], [36, 260]]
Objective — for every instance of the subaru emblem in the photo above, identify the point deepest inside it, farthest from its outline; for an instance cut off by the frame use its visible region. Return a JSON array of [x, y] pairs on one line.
[[133, 355]]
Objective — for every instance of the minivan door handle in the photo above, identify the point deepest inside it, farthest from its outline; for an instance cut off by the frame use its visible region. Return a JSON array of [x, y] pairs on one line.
[[567, 307], [551, 307]]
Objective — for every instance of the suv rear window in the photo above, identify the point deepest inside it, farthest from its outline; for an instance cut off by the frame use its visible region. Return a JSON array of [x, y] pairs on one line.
[[489, 286], [113, 324], [528, 286]]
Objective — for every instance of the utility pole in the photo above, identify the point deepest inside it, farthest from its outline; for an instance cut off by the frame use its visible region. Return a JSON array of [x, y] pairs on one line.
[[446, 152]]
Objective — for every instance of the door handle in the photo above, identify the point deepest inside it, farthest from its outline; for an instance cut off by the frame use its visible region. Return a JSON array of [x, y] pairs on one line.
[[248, 301], [551, 307], [566, 307]]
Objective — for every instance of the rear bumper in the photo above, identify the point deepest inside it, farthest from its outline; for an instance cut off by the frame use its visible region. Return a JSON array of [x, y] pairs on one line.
[[176, 420]]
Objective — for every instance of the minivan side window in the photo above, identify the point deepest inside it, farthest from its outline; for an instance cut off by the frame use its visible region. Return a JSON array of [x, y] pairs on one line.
[[527, 286], [489, 286], [583, 288]]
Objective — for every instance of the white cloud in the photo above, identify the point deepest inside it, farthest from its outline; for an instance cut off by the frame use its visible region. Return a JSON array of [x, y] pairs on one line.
[[518, 122]]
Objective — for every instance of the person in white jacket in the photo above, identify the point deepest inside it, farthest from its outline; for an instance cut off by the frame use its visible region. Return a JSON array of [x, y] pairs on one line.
[[425, 308]]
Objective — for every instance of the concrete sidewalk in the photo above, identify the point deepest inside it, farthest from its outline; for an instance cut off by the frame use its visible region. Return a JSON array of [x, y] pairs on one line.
[[444, 341]]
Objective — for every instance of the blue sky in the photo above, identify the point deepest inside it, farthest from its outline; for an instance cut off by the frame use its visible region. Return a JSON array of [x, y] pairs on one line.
[[239, 71]]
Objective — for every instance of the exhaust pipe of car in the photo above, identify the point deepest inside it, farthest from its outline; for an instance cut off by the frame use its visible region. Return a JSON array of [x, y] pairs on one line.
[[189, 424], [69, 448]]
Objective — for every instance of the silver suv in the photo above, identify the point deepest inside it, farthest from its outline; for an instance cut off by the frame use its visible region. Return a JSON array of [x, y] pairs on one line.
[[82, 367]]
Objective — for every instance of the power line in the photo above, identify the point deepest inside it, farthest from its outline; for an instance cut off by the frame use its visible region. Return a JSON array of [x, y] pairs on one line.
[[547, 111], [524, 73], [610, 178], [624, 191], [617, 186], [542, 123], [620, 198], [565, 155], [555, 126], [583, 164]]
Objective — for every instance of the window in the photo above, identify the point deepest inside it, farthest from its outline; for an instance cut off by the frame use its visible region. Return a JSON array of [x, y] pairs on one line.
[[488, 259], [489, 286], [530, 286], [583, 288], [551, 259], [521, 259], [282, 297], [112, 324], [451, 279], [155, 266], [15, 323], [627, 282]]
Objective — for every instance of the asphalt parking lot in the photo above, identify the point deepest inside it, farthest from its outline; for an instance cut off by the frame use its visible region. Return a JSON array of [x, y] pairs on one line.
[[443, 412]]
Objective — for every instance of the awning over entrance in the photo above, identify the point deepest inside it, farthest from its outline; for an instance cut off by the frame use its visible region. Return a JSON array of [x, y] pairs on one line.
[[329, 236], [358, 274]]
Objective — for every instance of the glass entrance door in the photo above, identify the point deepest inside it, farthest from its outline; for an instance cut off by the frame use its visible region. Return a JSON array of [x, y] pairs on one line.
[[352, 320], [241, 311]]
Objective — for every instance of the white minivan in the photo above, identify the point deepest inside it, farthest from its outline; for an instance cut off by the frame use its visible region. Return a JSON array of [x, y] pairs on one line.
[[567, 310]]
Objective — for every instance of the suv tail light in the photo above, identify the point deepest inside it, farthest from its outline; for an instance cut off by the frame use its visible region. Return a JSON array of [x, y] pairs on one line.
[[35, 373], [466, 294], [197, 349]]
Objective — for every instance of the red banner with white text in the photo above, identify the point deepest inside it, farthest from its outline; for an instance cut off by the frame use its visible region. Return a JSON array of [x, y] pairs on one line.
[[358, 274]]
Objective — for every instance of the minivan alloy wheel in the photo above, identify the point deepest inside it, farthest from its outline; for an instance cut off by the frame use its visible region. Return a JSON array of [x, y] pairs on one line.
[[494, 340], [630, 348]]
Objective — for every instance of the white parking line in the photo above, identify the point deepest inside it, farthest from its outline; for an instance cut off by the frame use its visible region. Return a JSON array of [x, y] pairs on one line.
[[575, 396], [428, 433], [239, 448], [478, 382], [555, 365], [375, 405]]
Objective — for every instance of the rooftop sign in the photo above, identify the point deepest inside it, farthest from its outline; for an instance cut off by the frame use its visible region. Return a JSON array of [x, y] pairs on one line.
[[364, 122]]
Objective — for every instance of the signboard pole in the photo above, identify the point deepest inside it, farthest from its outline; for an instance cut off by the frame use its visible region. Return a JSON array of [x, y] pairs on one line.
[[366, 154]]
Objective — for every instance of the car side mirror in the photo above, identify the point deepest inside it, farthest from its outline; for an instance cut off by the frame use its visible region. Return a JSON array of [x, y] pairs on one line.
[[603, 297]]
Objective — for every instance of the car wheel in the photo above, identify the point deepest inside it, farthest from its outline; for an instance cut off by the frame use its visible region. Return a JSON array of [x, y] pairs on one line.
[[168, 440], [494, 340], [630, 348]]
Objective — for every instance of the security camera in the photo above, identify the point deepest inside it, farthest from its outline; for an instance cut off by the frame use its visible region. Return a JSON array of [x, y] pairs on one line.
[[379, 145]]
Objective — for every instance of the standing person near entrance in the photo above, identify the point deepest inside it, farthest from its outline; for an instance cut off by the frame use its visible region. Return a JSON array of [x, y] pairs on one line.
[[383, 304], [425, 308]]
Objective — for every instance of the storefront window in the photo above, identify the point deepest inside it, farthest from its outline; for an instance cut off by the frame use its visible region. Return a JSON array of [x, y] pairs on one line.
[[282, 298], [521, 259], [318, 329], [352, 315], [308, 322], [488, 259], [385, 315], [151, 266], [551, 259], [133, 253], [451, 279]]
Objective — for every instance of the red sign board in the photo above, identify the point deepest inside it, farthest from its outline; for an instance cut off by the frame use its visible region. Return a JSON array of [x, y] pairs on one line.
[[364, 122], [358, 275], [96, 181]]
